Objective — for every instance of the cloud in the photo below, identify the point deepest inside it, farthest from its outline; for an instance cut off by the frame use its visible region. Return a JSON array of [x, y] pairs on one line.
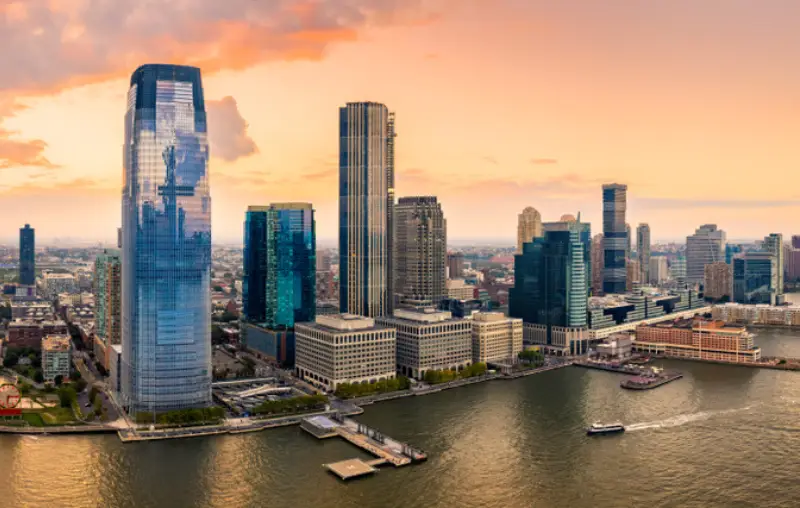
[[77, 186], [490, 159], [22, 153], [677, 203], [52, 46], [228, 130], [543, 161]]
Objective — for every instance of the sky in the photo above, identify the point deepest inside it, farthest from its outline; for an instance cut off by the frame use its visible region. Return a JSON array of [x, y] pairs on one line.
[[500, 105]]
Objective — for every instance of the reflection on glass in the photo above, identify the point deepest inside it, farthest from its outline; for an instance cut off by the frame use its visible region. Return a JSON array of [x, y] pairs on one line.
[[166, 242]]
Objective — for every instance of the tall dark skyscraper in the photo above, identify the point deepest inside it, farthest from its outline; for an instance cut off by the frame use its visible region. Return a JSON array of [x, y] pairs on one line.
[[390, 210], [27, 256], [166, 242], [420, 255], [364, 234], [279, 286], [615, 238]]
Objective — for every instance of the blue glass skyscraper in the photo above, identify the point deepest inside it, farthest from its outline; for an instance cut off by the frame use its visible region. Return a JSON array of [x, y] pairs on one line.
[[27, 256], [615, 238], [279, 286], [166, 242]]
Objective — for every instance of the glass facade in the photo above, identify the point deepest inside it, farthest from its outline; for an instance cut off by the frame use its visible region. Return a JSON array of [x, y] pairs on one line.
[[366, 141], [27, 256], [166, 242], [280, 265], [552, 278], [616, 242], [754, 278], [107, 285]]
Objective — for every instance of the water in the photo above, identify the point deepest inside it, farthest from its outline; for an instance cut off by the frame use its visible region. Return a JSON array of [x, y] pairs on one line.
[[720, 437]]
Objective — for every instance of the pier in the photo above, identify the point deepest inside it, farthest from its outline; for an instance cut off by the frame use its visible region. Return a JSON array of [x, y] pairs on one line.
[[643, 378], [386, 449]]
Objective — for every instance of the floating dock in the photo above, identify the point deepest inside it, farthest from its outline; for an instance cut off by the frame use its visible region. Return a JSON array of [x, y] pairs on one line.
[[386, 449], [648, 383]]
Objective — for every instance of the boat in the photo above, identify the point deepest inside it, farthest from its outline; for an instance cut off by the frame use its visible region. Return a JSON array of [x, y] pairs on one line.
[[610, 428]]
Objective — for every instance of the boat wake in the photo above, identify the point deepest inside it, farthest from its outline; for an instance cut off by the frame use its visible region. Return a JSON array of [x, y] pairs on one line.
[[679, 420]]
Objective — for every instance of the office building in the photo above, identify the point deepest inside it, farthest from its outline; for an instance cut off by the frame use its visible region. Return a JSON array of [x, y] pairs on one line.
[[55, 283], [791, 267], [677, 269], [27, 256], [659, 271], [705, 246], [699, 340], [580, 232], [629, 238], [529, 226], [455, 265], [615, 238], [420, 256], [273, 345], [458, 289], [774, 244], [496, 338], [107, 299], [56, 357], [429, 340], [344, 348], [732, 251], [643, 252], [365, 141], [166, 242], [718, 282], [755, 278], [596, 265], [254, 278], [757, 314], [632, 275], [29, 333], [391, 134]]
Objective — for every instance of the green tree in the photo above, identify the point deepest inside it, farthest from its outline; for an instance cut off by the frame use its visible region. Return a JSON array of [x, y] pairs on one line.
[[10, 360], [38, 376], [93, 394], [58, 380], [24, 388], [66, 395]]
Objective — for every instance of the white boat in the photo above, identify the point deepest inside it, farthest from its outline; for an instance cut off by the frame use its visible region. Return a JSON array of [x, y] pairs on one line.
[[609, 428]]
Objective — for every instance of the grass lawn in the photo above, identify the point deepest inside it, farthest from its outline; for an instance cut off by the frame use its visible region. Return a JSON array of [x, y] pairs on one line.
[[49, 417]]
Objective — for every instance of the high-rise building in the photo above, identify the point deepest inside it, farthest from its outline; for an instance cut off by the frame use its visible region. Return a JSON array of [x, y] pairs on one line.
[[791, 267], [615, 238], [597, 264], [677, 269], [796, 241], [632, 274], [107, 298], [755, 278], [629, 238], [705, 246], [551, 279], [390, 192], [166, 242], [279, 282], [774, 244], [455, 265], [580, 232], [659, 271], [27, 256], [643, 252], [364, 235], [718, 281], [731, 251], [420, 242], [529, 226]]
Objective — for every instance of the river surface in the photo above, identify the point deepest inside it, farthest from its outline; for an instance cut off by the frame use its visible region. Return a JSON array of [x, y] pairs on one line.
[[720, 437]]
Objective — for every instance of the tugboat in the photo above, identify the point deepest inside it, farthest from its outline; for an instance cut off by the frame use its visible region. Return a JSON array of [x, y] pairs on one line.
[[599, 428]]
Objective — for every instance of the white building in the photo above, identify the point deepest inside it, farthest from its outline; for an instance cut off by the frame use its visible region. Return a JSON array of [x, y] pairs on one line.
[[659, 270], [344, 348], [495, 338], [430, 340], [458, 289], [56, 356]]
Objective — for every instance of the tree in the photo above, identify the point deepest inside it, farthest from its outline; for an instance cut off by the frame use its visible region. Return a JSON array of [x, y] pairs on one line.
[[24, 388], [216, 334], [218, 289], [80, 385], [93, 394], [38, 376], [58, 380], [66, 395], [10, 360]]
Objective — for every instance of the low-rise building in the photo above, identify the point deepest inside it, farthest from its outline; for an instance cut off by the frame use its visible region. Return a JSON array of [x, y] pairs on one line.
[[28, 333], [616, 347], [760, 314], [277, 346], [495, 338], [56, 357], [458, 289], [698, 339], [115, 366], [32, 310], [430, 340], [344, 348]]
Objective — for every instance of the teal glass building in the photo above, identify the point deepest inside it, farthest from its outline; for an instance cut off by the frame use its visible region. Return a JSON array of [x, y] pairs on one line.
[[166, 242], [279, 286]]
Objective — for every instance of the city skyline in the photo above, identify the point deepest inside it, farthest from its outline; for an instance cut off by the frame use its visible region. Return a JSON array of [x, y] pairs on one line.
[[673, 121]]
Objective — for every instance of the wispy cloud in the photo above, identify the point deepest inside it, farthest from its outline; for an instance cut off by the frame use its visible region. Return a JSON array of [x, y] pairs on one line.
[[490, 159], [543, 161], [676, 203]]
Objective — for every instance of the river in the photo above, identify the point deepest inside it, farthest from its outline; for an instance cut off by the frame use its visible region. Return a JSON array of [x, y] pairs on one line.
[[720, 437]]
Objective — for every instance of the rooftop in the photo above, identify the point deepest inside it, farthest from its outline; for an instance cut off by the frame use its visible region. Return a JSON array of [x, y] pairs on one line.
[[56, 343], [426, 315], [345, 322]]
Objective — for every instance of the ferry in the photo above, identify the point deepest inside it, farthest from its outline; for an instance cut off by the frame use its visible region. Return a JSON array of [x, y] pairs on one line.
[[599, 428]]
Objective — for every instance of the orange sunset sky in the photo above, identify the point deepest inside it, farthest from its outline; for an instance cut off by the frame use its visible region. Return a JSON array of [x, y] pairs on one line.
[[501, 104]]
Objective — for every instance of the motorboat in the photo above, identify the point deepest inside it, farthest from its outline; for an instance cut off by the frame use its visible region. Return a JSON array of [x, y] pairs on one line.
[[610, 428]]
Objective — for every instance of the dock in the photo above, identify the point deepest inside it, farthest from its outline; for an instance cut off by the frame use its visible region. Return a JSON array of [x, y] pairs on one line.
[[385, 449], [648, 383], [642, 378]]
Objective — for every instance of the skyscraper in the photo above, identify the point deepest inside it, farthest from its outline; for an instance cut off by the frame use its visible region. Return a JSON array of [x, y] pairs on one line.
[[364, 135], [629, 238], [107, 300], [597, 264], [279, 283], [774, 244], [27, 256], [705, 246], [615, 241], [643, 252], [718, 281], [659, 270], [529, 226], [420, 250], [754, 276], [391, 134], [166, 242], [455, 265]]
